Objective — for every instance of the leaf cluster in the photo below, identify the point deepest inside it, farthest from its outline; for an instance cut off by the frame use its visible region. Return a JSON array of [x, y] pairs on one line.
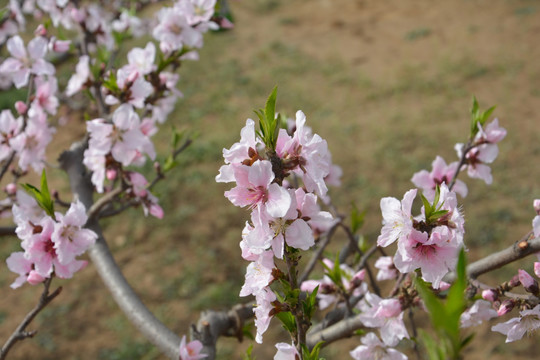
[[42, 196], [431, 210], [445, 316], [269, 124], [479, 117]]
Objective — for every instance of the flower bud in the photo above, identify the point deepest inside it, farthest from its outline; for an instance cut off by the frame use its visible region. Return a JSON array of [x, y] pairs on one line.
[[21, 107], [536, 204], [111, 174], [77, 15], [60, 46], [156, 210], [514, 282], [357, 279], [506, 306], [11, 188], [528, 282], [537, 268], [444, 286], [132, 77], [490, 295], [40, 30], [34, 278]]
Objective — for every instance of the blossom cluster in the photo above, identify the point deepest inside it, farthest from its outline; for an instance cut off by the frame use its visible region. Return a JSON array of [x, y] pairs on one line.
[[51, 243], [429, 243], [140, 95], [282, 217], [475, 156]]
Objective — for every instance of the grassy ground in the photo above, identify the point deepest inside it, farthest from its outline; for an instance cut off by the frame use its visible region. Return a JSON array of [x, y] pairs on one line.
[[388, 84]]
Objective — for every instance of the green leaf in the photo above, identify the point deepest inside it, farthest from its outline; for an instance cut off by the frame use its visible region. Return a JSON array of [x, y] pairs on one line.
[[434, 216], [268, 124], [455, 302], [432, 349], [46, 195], [357, 218], [247, 331], [249, 355], [288, 321], [270, 108], [427, 206], [316, 349], [170, 163], [42, 196], [436, 309], [309, 305]]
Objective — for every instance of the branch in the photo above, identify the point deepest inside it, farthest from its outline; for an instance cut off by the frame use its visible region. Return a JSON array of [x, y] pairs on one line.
[[213, 324], [98, 205], [316, 256], [337, 331], [20, 333], [520, 249], [7, 231], [154, 330]]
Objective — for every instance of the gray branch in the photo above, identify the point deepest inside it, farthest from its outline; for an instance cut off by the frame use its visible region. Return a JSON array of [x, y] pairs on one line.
[[153, 329], [213, 324], [520, 249], [342, 329]]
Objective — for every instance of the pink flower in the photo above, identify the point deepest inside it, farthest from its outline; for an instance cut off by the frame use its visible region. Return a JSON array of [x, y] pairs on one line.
[[387, 270], [286, 352], [397, 218], [19, 264], [373, 348], [174, 32], [133, 86], [32, 143], [59, 46], [492, 133], [9, 128], [319, 221], [45, 99], [40, 249], [385, 314], [81, 76], [263, 311], [490, 295], [191, 350], [536, 220], [515, 328], [308, 154], [145, 197], [94, 160], [239, 152], [434, 254], [258, 274], [70, 239], [537, 268], [23, 63], [198, 11], [440, 173], [129, 22], [255, 188], [142, 60], [479, 312], [528, 282]]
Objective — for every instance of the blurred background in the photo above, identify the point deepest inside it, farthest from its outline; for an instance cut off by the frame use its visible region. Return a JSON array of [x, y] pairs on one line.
[[388, 84]]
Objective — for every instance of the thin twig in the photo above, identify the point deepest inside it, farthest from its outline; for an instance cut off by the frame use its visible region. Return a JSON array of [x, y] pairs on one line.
[[520, 249], [317, 255], [7, 230], [103, 201], [20, 333]]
